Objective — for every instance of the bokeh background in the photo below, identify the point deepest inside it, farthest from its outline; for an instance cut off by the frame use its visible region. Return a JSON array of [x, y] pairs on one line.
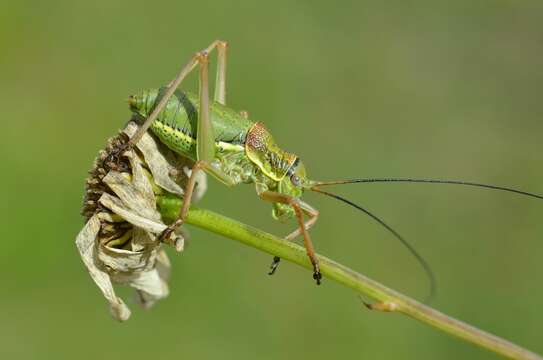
[[357, 89]]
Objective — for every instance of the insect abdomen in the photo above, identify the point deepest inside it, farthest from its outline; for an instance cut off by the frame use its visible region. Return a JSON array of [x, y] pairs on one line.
[[175, 139], [176, 125]]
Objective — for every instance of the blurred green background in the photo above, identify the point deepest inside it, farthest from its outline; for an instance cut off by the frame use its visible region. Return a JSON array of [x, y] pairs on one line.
[[361, 89]]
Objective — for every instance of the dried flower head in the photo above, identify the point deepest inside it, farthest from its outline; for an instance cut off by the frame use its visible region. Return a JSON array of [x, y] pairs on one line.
[[119, 243]]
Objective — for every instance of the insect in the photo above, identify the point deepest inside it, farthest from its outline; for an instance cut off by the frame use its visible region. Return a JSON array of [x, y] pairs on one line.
[[227, 145]]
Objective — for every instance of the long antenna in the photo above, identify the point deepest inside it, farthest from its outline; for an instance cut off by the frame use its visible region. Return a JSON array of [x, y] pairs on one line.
[[430, 181], [420, 259]]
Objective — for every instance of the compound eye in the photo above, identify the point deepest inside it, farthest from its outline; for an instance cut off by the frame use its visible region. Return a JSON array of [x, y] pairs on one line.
[[295, 180]]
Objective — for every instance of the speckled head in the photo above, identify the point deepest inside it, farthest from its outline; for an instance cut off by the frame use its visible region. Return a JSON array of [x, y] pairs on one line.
[[262, 150], [284, 168]]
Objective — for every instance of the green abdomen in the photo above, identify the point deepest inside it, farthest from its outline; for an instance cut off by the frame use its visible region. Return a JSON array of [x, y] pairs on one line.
[[176, 126]]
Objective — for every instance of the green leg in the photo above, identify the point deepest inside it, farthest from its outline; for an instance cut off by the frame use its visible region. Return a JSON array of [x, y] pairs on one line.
[[185, 70], [205, 142], [205, 138], [220, 79]]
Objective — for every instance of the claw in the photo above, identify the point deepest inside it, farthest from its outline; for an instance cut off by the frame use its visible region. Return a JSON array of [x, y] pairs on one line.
[[317, 276], [166, 234], [317, 273], [274, 265]]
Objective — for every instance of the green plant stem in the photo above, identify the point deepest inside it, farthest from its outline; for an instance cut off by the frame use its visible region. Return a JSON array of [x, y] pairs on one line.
[[387, 299]]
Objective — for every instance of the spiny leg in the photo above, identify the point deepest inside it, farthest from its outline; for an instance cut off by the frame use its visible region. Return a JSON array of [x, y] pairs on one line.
[[205, 142], [310, 211], [205, 150], [172, 86], [189, 190], [205, 137], [299, 209], [220, 79], [199, 165]]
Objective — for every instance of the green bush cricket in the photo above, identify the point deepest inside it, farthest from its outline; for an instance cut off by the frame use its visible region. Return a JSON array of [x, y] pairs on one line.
[[227, 145]]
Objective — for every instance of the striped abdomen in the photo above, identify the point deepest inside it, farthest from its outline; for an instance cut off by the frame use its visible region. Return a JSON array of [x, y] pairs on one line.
[[176, 125]]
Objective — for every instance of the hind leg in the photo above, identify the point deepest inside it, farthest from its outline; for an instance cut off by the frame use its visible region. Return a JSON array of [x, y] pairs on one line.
[[199, 58]]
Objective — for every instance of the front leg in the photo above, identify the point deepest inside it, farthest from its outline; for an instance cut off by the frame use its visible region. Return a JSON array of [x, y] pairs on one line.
[[299, 208], [313, 216]]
